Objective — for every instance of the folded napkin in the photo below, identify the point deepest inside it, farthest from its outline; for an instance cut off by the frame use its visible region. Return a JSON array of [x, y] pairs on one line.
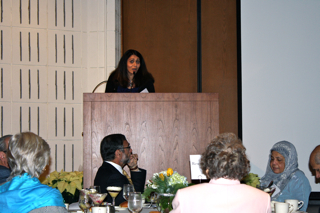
[[74, 207]]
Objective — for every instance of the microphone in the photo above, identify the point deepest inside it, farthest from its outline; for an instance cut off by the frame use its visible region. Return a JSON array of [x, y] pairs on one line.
[[134, 74]]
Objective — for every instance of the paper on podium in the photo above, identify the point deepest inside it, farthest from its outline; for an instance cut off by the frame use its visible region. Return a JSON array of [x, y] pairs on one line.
[[145, 91], [196, 172]]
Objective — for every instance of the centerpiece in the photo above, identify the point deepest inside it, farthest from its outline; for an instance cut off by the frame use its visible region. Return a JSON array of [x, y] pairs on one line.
[[68, 183], [164, 186], [251, 179], [254, 180]]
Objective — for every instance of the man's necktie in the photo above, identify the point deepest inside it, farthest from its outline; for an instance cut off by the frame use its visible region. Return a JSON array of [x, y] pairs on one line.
[[128, 177]]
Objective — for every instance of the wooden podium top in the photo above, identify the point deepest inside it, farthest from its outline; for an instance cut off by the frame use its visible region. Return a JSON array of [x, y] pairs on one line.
[[102, 97]]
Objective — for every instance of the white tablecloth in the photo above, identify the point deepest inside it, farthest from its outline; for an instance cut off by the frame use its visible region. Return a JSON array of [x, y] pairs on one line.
[[75, 209], [144, 210]]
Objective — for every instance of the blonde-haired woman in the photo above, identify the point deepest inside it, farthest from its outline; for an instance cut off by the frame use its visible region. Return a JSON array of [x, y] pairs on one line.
[[28, 155]]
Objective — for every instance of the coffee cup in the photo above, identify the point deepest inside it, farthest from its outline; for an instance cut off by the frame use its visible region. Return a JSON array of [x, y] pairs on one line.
[[272, 204], [281, 207], [99, 209], [294, 204]]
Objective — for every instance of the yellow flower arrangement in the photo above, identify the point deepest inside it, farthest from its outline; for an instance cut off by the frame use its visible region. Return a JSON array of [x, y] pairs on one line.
[[66, 182], [165, 184], [161, 176]]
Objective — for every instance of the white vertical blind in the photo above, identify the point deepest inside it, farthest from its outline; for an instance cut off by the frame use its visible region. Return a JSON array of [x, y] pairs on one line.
[[45, 65]]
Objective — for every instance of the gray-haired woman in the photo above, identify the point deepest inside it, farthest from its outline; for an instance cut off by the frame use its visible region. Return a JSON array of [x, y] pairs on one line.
[[28, 155], [225, 162]]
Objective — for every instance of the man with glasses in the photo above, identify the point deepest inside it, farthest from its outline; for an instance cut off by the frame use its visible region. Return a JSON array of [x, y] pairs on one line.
[[116, 153], [4, 167]]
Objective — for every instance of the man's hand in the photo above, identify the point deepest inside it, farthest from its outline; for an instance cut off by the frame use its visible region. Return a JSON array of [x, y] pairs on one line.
[[133, 162], [3, 159]]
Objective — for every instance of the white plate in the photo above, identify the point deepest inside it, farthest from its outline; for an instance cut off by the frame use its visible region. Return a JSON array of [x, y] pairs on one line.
[[120, 208]]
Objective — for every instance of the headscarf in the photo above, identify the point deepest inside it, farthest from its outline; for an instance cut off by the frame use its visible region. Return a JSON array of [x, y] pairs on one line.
[[288, 151]]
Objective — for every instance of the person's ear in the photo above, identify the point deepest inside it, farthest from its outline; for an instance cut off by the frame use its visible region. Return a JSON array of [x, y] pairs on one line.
[[207, 172], [118, 153]]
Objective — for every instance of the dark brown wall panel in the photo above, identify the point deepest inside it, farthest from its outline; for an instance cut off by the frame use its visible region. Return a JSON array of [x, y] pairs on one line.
[[219, 58], [165, 34]]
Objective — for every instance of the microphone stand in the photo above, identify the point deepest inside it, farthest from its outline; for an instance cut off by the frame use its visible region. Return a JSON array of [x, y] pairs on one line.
[[102, 82]]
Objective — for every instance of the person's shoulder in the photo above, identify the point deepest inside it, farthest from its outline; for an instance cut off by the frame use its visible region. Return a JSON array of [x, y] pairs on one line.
[[4, 170], [106, 169], [196, 187], [299, 175], [39, 189], [254, 191], [105, 166], [112, 75], [49, 188], [112, 83]]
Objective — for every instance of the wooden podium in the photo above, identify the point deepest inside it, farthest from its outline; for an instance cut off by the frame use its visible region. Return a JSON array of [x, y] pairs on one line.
[[162, 128]]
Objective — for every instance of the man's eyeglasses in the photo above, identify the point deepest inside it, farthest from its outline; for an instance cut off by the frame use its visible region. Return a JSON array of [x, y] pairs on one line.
[[128, 147]]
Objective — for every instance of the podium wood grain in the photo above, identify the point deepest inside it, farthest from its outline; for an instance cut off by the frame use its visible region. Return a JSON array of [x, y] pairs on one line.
[[162, 128]]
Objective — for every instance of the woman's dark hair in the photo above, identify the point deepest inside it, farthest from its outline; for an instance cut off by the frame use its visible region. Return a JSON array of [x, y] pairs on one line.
[[225, 157], [3, 146], [121, 72], [110, 144]]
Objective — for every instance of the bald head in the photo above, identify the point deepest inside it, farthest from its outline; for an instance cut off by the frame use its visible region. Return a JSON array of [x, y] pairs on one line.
[[315, 160]]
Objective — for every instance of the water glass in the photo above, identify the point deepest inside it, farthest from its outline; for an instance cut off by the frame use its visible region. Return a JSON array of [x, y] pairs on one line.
[[127, 188], [135, 202]]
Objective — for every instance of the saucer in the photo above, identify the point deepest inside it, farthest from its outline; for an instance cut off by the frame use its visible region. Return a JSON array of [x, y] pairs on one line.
[[120, 208]]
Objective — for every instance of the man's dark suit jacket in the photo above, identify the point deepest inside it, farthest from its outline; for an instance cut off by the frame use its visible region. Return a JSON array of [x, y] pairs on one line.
[[107, 175]]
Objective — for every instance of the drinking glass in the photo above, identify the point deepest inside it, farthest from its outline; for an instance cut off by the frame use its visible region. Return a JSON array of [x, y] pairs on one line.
[[135, 202], [127, 188], [84, 200], [113, 192], [154, 199], [97, 198]]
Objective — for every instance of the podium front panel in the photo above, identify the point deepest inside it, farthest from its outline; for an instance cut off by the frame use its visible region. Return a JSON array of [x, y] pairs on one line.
[[162, 128]]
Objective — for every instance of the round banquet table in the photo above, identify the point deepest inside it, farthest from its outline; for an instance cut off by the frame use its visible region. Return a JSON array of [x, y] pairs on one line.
[[144, 210], [123, 210]]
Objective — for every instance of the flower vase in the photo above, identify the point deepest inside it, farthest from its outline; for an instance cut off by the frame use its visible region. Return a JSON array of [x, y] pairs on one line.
[[165, 202]]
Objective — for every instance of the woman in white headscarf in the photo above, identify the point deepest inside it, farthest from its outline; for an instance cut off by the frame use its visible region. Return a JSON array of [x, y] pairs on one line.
[[282, 169]]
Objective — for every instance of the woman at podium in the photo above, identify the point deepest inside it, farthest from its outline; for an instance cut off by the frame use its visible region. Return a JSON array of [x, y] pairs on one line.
[[131, 75]]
